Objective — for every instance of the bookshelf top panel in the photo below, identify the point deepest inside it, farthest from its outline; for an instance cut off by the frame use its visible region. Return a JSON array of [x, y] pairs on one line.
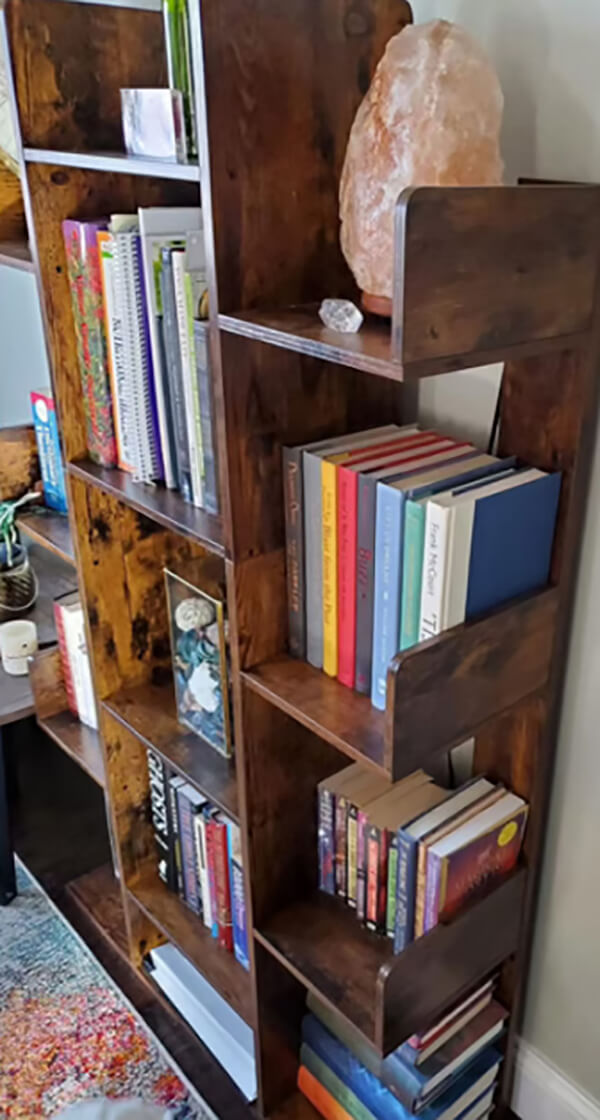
[[118, 162]]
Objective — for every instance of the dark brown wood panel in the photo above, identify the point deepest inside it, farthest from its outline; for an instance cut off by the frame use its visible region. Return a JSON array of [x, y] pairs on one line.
[[442, 690], [148, 711], [98, 896], [47, 682], [70, 65], [49, 529], [281, 1008], [128, 788], [81, 743], [188, 932], [520, 250], [277, 128]]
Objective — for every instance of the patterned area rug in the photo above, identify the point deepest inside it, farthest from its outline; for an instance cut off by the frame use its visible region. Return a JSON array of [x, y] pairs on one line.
[[66, 1032]]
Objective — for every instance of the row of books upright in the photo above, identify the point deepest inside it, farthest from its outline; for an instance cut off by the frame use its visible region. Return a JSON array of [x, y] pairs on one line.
[[74, 658], [199, 856], [406, 856], [395, 534], [139, 298], [449, 1072]]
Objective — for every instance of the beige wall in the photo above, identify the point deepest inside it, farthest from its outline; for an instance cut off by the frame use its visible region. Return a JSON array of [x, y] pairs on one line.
[[548, 56]]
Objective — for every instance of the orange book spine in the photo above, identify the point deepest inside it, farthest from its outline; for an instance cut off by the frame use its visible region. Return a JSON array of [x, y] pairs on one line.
[[319, 1097]]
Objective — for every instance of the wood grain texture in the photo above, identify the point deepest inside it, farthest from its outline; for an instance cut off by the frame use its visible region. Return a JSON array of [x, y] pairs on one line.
[[81, 743], [128, 790], [19, 465], [443, 689], [49, 529], [277, 129], [69, 98], [188, 932], [281, 1008], [12, 218], [148, 711], [99, 897], [520, 250], [47, 683]]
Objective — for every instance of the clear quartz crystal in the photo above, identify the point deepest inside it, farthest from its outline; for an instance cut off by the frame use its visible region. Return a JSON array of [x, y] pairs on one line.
[[341, 315]]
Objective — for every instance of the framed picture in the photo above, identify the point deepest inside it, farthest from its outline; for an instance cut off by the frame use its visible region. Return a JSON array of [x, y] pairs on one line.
[[199, 650]]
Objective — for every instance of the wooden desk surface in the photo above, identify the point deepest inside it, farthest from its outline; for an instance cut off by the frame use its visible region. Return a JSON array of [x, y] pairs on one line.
[[56, 578]]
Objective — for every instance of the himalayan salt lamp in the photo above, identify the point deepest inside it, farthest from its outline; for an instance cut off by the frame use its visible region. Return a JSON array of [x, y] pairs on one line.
[[431, 117]]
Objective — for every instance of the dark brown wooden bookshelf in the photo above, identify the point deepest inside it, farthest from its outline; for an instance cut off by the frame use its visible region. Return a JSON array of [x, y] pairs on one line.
[[269, 193], [50, 530], [80, 742]]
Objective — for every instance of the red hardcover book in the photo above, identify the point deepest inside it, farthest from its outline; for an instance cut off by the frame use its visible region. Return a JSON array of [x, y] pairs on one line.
[[64, 658], [222, 882], [413, 449], [320, 1097]]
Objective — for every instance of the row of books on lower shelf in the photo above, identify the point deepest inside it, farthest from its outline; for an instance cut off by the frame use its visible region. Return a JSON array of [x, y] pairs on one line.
[[396, 534], [409, 855], [139, 293], [199, 856], [449, 1072], [74, 658]]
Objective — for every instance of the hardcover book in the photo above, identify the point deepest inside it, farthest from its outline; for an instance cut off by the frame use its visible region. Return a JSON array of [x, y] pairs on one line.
[[48, 445], [238, 895], [160, 817], [205, 396], [85, 281], [223, 890]]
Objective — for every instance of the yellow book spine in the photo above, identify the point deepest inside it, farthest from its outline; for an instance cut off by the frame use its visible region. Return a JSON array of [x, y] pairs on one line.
[[420, 891], [329, 514]]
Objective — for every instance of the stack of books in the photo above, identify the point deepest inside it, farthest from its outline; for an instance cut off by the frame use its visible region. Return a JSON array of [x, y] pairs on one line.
[[75, 662], [447, 1073], [199, 856], [406, 856], [396, 534], [139, 295]]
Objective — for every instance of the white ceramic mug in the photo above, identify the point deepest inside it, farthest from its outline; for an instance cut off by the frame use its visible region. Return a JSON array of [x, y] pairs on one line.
[[18, 641]]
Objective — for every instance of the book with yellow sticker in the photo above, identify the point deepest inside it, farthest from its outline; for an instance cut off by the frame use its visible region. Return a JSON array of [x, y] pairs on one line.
[[475, 857]]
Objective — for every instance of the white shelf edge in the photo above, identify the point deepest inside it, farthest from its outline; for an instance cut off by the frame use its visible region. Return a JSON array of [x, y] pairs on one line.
[[115, 162]]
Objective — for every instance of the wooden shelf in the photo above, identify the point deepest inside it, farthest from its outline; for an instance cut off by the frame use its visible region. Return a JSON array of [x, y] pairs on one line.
[[344, 718], [387, 997], [148, 711], [97, 895], [81, 743], [16, 254], [115, 162], [49, 529], [167, 507], [300, 329], [187, 931]]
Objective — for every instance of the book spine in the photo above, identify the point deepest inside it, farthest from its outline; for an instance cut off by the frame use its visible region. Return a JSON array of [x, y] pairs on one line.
[[376, 879], [405, 891], [313, 557], [347, 502], [345, 1065], [412, 573], [158, 811], [83, 267], [212, 872], [365, 582], [155, 468], [386, 611], [178, 266], [341, 840], [222, 885], [434, 570], [64, 658], [111, 321], [188, 850], [202, 860], [210, 464], [197, 416], [435, 869], [71, 627], [392, 886], [333, 1084], [175, 834], [352, 856], [324, 1103], [238, 896], [326, 831], [88, 713], [361, 866], [48, 445], [329, 537], [419, 927], [174, 373], [294, 549]]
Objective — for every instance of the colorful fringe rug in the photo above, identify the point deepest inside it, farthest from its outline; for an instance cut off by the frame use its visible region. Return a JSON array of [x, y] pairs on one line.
[[66, 1032]]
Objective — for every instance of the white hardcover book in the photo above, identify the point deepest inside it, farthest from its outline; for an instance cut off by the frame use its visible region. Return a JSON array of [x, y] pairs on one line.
[[201, 856], [312, 457], [74, 629], [189, 375], [220, 1028], [120, 226], [437, 524], [162, 227]]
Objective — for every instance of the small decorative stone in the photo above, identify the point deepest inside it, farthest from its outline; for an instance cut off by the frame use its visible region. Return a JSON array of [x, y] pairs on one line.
[[431, 117], [341, 315]]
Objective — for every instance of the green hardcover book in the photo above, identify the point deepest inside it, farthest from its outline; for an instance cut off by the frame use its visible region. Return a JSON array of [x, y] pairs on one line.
[[179, 64], [334, 1085], [412, 578]]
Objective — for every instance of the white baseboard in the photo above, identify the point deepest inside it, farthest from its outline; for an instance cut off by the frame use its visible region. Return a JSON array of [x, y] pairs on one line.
[[542, 1092]]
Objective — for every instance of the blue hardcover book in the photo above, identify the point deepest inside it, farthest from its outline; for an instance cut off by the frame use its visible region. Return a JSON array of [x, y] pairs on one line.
[[511, 544], [238, 895], [458, 1098], [48, 445]]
